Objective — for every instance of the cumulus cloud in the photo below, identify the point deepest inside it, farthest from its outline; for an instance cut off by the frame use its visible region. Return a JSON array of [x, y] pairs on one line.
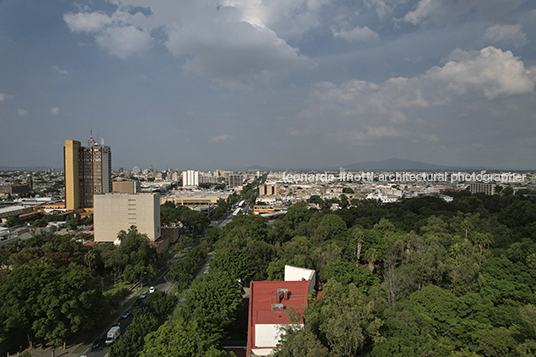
[[358, 34], [22, 112], [505, 34], [383, 9], [230, 41], [229, 52], [364, 109], [113, 33], [444, 11], [91, 22], [124, 41], [491, 71], [221, 139], [55, 111]]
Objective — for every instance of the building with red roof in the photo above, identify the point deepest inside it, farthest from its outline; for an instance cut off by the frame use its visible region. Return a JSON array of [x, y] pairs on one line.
[[269, 302]]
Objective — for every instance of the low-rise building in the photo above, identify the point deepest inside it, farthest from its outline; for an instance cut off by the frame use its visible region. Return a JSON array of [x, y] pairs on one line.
[[268, 304]]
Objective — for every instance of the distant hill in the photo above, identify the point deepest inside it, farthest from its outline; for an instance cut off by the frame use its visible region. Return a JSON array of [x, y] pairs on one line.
[[258, 168], [399, 164]]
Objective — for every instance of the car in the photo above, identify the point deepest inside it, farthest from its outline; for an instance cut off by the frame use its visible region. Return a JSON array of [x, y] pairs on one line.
[[152, 289], [137, 302], [126, 314], [98, 343], [143, 295]]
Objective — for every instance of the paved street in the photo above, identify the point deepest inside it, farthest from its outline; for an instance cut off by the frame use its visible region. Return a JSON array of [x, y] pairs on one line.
[[160, 284]]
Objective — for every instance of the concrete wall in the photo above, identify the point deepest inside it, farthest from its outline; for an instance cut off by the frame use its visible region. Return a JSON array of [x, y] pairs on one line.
[[115, 212]]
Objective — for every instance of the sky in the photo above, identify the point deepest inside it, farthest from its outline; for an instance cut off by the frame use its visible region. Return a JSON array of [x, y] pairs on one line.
[[227, 84]]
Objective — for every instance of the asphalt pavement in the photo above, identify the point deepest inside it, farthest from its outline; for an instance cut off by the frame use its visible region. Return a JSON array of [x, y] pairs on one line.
[[160, 284]]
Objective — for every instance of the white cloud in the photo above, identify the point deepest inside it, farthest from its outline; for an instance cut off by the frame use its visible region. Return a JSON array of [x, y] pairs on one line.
[[382, 8], [91, 22], [444, 11], [362, 109], [221, 139], [423, 10], [230, 41], [113, 33], [490, 71], [124, 41], [61, 71], [506, 34], [55, 111], [358, 34], [22, 112], [2, 97]]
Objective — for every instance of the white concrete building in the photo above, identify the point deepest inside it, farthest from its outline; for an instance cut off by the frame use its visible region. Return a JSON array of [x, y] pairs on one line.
[[190, 178], [114, 212]]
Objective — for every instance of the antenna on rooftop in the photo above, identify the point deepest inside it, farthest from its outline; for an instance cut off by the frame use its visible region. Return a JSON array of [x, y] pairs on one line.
[[91, 141]]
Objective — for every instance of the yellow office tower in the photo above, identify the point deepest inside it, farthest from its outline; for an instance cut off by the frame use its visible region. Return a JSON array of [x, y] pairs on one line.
[[88, 171]]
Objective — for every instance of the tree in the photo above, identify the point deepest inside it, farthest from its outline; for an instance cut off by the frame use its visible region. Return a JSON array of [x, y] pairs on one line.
[[90, 258], [50, 303], [349, 321], [356, 238], [297, 342], [213, 299], [180, 337], [331, 226]]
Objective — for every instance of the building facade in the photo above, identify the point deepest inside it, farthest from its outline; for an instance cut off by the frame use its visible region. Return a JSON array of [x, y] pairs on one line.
[[190, 178], [88, 171], [233, 180], [114, 212], [487, 188], [126, 186], [267, 189]]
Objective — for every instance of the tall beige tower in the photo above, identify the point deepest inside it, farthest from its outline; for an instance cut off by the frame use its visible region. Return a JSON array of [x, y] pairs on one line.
[[71, 164], [88, 171]]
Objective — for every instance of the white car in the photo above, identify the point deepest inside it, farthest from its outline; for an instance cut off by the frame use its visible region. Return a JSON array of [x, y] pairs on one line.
[[152, 289]]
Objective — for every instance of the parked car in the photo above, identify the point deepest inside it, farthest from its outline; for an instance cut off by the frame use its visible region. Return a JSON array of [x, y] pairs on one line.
[[126, 314], [137, 302], [152, 289], [143, 295]]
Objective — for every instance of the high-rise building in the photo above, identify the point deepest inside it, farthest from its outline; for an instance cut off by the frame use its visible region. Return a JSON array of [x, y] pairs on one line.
[[88, 171], [190, 178], [267, 189], [233, 180]]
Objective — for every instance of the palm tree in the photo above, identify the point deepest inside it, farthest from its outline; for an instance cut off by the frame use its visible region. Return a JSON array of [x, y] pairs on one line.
[[357, 237], [372, 256], [90, 258]]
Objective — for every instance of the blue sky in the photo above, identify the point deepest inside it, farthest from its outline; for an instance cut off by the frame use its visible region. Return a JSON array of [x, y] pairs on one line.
[[212, 84]]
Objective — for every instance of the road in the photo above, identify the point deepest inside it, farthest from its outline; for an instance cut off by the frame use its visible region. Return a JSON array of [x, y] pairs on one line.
[[160, 284]]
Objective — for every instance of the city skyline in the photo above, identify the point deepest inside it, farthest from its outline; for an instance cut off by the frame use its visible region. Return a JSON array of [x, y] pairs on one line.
[[302, 84]]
